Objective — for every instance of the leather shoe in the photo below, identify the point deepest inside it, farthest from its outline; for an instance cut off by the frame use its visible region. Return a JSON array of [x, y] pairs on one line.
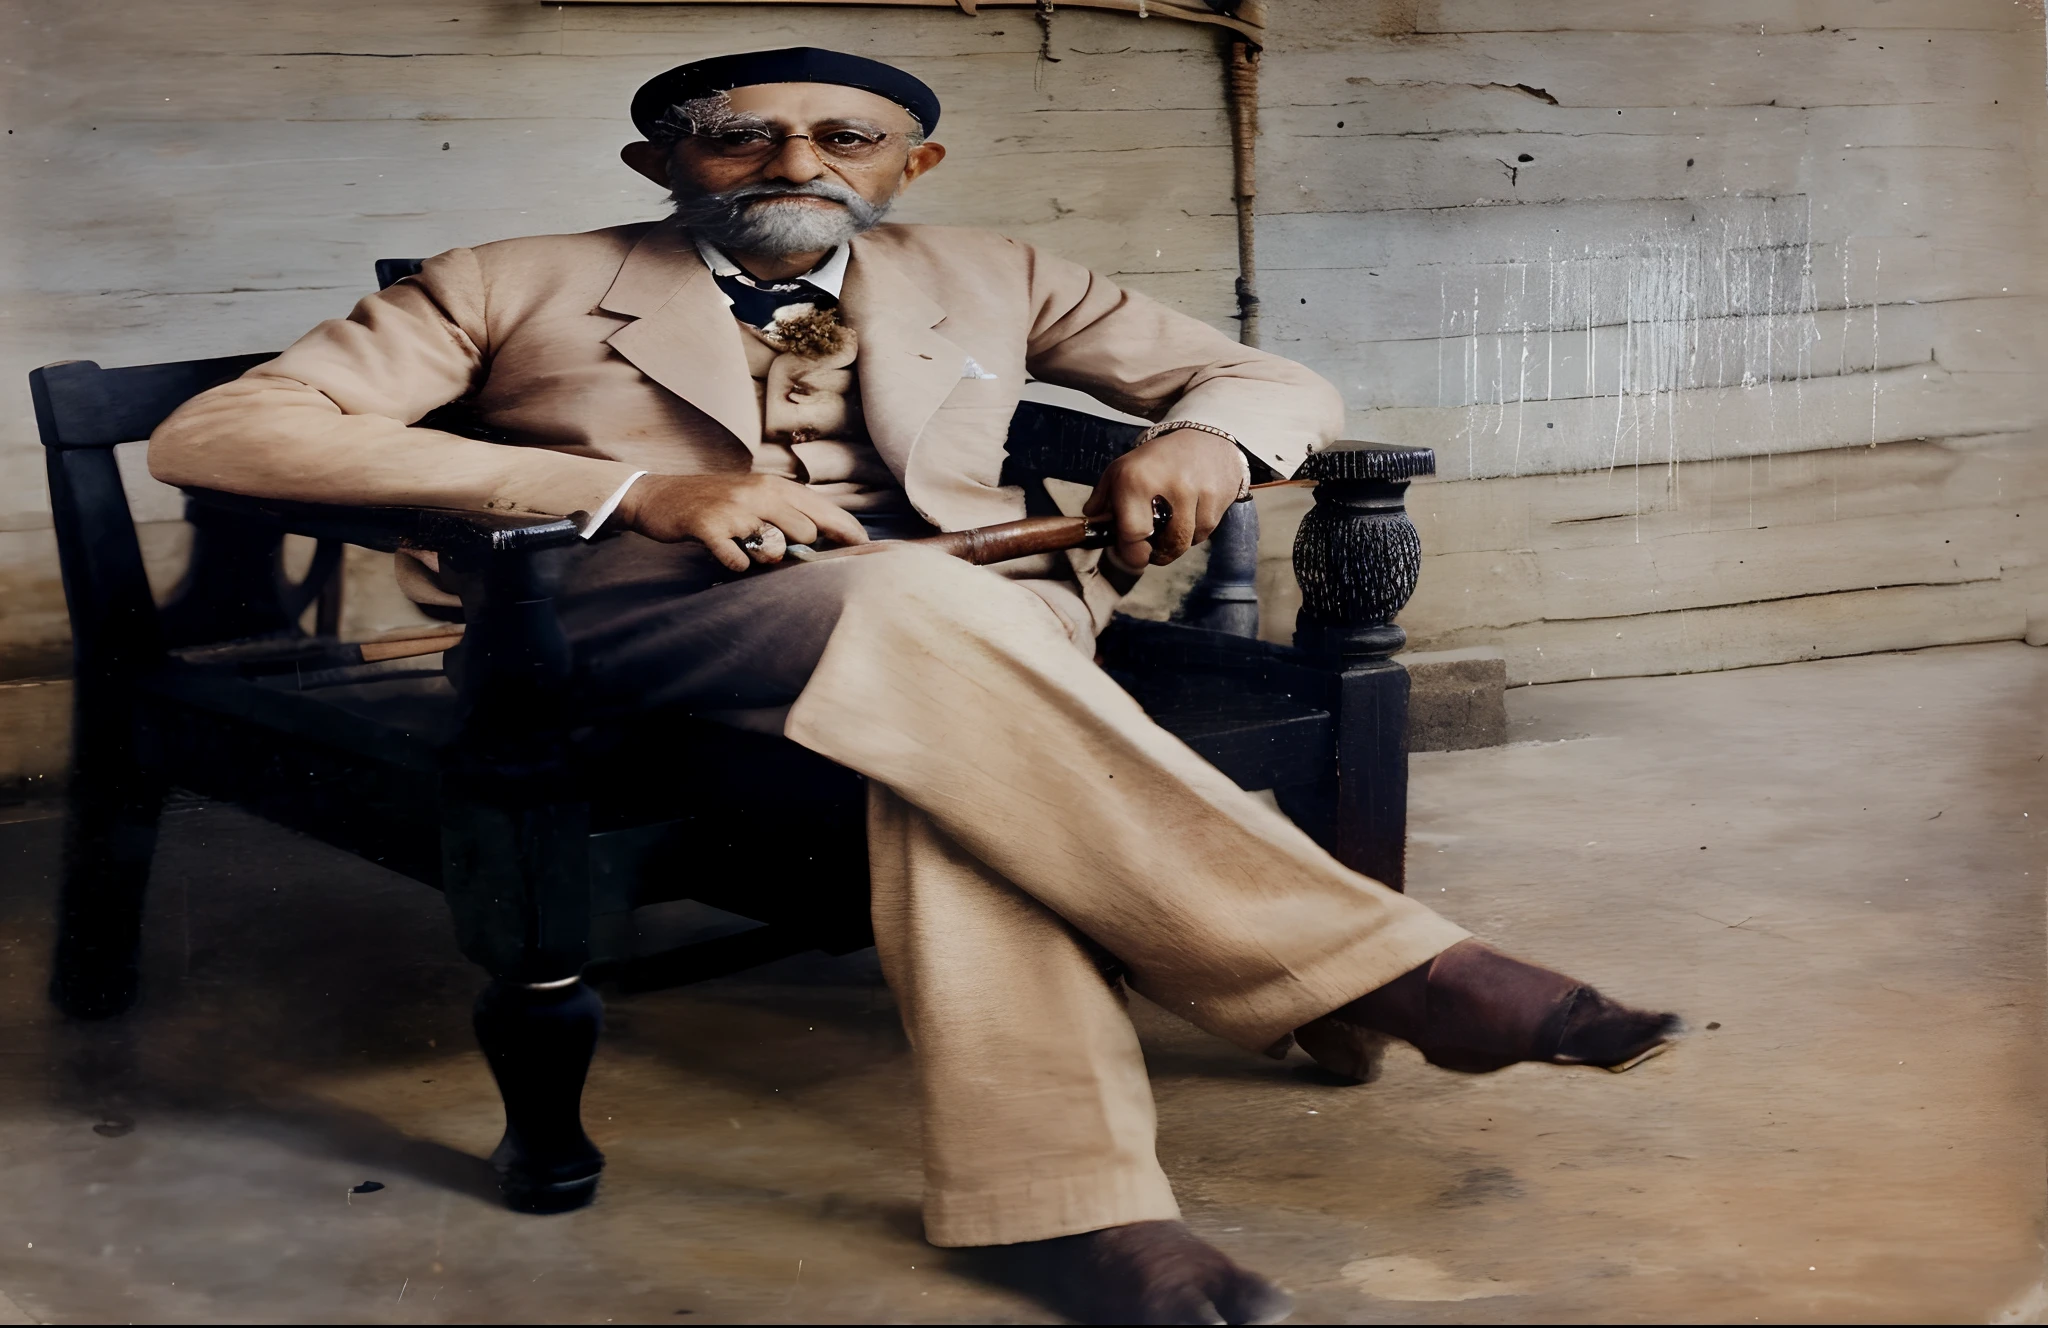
[[1476, 1010]]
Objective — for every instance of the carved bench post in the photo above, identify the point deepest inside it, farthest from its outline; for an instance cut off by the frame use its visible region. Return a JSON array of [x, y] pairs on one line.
[[1226, 599], [515, 866], [1357, 558]]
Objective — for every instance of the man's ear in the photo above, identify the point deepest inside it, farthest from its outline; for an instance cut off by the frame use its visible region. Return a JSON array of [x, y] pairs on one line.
[[922, 158], [649, 159]]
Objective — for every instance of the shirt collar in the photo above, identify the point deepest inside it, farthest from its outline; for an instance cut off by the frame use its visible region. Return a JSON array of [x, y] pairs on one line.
[[827, 276]]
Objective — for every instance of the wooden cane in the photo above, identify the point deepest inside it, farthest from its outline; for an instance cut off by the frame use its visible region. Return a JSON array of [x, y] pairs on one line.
[[1009, 539], [981, 545]]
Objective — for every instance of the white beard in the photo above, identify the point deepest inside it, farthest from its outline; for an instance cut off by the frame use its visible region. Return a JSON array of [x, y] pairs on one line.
[[735, 220]]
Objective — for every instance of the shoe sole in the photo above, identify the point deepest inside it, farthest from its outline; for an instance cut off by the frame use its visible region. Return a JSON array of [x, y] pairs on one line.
[[1632, 1062]]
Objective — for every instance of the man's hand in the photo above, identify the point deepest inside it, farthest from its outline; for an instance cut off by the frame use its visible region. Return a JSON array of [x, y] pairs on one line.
[[1196, 472], [718, 511]]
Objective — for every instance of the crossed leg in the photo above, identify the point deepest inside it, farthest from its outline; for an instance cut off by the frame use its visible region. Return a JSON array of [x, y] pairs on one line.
[[1027, 821]]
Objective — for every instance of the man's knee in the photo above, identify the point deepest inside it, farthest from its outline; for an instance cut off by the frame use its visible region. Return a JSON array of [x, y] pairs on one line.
[[930, 587]]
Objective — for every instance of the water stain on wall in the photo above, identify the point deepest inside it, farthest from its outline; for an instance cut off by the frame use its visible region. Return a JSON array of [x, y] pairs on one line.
[[1726, 300]]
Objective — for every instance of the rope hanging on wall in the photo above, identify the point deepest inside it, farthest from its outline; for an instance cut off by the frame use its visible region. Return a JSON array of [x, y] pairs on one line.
[[1045, 55], [1242, 91]]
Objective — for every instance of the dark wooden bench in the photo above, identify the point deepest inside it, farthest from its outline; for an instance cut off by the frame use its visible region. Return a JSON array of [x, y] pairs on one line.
[[544, 836]]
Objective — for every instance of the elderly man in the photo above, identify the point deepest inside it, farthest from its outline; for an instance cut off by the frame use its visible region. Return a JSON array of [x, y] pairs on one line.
[[774, 365]]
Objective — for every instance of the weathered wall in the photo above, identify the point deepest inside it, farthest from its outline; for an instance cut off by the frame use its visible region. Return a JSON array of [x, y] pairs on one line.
[[1741, 364], [1725, 318]]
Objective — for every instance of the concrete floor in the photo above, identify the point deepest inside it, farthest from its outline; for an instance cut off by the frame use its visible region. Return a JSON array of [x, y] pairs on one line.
[[1833, 868]]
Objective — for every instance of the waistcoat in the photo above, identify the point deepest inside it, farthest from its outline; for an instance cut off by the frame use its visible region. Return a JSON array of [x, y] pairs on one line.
[[811, 426]]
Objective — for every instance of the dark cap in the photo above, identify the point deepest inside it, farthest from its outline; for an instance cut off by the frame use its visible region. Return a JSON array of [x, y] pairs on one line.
[[794, 64]]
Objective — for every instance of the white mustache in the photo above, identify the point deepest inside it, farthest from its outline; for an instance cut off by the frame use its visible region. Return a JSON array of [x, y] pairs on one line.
[[731, 203], [763, 193], [745, 218]]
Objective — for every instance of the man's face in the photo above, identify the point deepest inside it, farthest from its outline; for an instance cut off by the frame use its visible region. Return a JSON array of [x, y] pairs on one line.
[[787, 168]]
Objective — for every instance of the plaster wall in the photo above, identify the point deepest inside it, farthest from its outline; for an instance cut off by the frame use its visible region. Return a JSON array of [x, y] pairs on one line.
[[1742, 364]]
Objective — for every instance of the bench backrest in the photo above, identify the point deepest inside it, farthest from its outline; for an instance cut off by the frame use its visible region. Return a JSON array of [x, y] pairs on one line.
[[83, 412]]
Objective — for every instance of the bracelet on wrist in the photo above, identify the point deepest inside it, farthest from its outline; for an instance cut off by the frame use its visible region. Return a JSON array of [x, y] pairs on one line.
[[1244, 461]]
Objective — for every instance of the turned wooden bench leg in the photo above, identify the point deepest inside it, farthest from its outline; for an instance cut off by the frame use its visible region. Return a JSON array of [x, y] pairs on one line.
[[517, 882], [539, 1040]]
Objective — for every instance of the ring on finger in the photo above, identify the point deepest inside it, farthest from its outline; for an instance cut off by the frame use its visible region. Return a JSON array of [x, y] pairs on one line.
[[767, 544]]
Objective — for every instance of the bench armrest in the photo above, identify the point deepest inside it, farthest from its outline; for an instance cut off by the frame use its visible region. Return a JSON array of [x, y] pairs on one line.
[[515, 662], [435, 529]]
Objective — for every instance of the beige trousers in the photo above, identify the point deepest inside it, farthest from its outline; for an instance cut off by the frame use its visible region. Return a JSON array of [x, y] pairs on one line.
[[1026, 822]]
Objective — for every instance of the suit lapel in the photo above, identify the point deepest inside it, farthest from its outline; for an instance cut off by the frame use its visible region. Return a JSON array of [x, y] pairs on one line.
[[683, 335], [906, 369]]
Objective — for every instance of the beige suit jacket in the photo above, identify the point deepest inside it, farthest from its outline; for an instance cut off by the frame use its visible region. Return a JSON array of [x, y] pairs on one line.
[[600, 354]]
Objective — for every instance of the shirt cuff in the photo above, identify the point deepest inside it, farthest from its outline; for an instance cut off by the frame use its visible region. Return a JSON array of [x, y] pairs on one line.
[[595, 521]]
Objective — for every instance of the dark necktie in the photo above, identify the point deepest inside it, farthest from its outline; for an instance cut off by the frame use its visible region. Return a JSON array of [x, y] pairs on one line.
[[755, 303]]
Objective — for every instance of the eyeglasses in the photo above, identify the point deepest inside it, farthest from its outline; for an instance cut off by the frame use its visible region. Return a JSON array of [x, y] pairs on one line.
[[852, 146]]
